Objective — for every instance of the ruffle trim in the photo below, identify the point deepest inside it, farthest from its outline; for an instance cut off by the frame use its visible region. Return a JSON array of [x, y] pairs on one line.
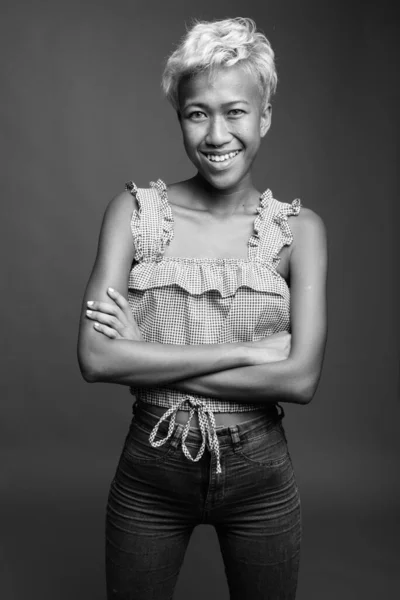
[[167, 233], [281, 218], [198, 276], [254, 240], [135, 221]]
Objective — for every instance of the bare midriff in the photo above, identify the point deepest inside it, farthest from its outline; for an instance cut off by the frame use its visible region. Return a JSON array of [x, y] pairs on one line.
[[221, 419]]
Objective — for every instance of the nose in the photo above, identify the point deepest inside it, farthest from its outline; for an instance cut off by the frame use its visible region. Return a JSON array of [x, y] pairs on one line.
[[217, 133]]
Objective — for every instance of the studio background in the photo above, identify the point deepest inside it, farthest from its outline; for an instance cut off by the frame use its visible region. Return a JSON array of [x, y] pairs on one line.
[[82, 112]]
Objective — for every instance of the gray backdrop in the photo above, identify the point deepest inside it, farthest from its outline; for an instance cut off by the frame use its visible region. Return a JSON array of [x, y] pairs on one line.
[[82, 113]]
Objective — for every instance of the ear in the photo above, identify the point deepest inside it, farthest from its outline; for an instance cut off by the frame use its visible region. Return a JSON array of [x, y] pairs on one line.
[[265, 120]]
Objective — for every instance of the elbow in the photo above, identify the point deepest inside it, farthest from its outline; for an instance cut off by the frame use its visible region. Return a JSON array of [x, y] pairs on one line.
[[90, 366], [306, 388], [94, 353], [300, 383], [89, 375], [304, 395]]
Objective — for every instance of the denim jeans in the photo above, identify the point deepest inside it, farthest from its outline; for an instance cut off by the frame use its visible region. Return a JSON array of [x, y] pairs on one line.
[[158, 496]]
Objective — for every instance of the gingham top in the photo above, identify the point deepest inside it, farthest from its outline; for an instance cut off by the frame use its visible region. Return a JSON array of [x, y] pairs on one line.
[[178, 300]]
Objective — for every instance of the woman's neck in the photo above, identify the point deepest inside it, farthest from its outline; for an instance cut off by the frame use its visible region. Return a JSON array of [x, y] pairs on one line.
[[223, 202]]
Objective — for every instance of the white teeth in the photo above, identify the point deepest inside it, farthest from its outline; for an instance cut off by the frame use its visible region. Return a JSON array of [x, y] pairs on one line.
[[221, 158]]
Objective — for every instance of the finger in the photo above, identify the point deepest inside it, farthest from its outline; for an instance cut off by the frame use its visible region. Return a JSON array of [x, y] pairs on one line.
[[119, 299], [107, 331], [105, 307], [105, 319]]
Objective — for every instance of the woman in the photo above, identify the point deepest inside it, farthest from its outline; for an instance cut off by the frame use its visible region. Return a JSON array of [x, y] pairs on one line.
[[207, 298]]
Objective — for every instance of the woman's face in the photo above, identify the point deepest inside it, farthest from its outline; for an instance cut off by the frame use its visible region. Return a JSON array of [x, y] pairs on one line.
[[222, 124]]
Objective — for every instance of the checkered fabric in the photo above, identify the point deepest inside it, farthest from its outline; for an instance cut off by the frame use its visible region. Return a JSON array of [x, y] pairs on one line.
[[178, 300]]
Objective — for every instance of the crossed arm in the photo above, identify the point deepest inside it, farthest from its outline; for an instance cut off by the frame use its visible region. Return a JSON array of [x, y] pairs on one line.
[[111, 349]]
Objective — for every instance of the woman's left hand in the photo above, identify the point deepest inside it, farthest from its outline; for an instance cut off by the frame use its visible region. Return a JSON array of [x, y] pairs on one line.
[[114, 320]]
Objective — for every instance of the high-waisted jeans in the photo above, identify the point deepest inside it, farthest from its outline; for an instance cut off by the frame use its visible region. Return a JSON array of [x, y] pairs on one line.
[[158, 496]]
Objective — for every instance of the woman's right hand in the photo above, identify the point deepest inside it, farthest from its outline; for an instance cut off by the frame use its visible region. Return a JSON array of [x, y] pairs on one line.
[[115, 320], [272, 348]]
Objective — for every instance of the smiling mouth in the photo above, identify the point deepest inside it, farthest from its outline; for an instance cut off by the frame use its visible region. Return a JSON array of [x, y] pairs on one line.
[[221, 158]]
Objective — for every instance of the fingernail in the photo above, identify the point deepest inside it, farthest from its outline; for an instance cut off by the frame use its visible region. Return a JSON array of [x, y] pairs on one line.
[[111, 290], [90, 302], [88, 312]]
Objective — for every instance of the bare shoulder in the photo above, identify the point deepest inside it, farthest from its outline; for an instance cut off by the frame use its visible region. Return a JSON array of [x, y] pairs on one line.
[[116, 225], [307, 224], [121, 206]]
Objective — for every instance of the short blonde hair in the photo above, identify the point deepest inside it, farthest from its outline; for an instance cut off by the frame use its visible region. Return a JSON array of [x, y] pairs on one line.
[[208, 45]]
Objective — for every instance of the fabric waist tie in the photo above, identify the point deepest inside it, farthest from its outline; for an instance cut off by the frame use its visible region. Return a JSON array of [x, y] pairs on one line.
[[207, 429]]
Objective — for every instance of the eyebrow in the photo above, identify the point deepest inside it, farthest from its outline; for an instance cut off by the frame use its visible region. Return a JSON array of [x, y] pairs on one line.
[[225, 104]]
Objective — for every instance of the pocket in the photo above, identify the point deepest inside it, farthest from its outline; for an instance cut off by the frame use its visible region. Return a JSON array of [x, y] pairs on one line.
[[269, 449], [138, 449]]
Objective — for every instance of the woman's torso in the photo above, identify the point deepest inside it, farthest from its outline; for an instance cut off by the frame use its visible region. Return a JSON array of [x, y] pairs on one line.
[[224, 277]]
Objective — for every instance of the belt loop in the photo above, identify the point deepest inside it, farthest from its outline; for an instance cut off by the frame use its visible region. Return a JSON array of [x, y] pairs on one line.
[[236, 442], [176, 436]]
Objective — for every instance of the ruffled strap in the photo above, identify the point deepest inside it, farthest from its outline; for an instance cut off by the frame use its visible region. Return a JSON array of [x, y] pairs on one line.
[[207, 429], [152, 223], [167, 218], [281, 218], [254, 241], [136, 219], [271, 229]]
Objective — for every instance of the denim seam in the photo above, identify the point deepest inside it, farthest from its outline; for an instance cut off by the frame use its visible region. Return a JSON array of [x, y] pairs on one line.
[[170, 450], [269, 463], [250, 438]]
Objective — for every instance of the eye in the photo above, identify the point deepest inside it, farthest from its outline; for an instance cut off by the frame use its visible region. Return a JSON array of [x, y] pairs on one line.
[[236, 112], [196, 115]]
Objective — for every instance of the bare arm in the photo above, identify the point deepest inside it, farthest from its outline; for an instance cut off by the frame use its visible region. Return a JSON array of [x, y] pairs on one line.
[[138, 363], [296, 378]]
